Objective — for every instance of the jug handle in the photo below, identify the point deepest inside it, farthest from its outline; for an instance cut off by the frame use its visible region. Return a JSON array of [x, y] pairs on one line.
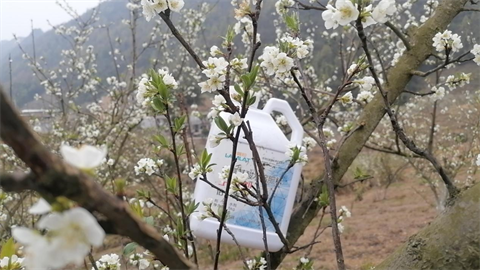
[[282, 106]]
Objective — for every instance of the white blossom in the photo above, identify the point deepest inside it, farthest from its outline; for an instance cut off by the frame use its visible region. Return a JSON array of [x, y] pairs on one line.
[[346, 99], [365, 96], [70, 235], [235, 119], [40, 207], [145, 165], [476, 53], [439, 93], [85, 157], [447, 40], [383, 9]]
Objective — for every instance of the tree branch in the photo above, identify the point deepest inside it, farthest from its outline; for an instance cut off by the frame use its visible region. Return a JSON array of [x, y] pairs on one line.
[[52, 177]]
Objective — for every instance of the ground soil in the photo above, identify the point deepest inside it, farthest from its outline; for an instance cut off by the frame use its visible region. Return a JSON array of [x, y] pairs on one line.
[[377, 227]]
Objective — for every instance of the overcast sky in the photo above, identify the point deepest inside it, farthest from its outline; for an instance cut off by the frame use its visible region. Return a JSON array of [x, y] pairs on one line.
[[15, 15]]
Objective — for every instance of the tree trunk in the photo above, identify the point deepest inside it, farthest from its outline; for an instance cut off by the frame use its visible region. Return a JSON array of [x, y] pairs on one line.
[[450, 242], [398, 78]]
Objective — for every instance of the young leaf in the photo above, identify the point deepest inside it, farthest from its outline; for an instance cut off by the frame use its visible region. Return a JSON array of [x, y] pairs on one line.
[[8, 249], [129, 248], [221, 124]]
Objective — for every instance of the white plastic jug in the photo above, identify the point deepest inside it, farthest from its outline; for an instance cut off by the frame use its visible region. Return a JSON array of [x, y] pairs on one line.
[[244, 220]]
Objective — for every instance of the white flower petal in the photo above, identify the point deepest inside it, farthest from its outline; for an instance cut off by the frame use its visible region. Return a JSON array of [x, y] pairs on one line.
[[40, 207]]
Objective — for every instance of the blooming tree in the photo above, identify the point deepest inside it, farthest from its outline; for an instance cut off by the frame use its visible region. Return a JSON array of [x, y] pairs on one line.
[[89, 189]]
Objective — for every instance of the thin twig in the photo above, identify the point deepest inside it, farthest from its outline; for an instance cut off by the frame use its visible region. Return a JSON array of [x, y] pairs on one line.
[[452, 190], [166, 18]]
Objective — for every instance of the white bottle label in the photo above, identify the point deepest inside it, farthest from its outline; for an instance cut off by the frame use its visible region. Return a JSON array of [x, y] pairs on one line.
[[275, 164]]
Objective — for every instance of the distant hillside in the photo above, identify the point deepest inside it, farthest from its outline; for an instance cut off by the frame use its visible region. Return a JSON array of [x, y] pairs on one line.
[[49, 45]]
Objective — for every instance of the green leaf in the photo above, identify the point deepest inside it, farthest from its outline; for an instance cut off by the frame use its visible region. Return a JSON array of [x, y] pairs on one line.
[[221, 124], [158, 105], [180, 150], [162, 140], [179, 122], [238, 89], [149, 220], [292, 23], [246, 81], [8, 249], [129, 248], [254, 72], [251, 100], [171, 183]]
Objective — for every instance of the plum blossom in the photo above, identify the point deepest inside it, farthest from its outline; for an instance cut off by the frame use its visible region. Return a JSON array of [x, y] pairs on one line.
[[138, 260], [274, 61], [447, 41], [108, 262], [175, 5], [346, 12], [478, 160], [216, 69], [476, 53], [235, 119], [13, 262], [152, 7], [309, 143], [281, 120], [346, 99], [85, 157], [281, 6], [383, 9], [439, 93], [146, 165], [328, 17], [304, 260], [70, 235], [296, 154], [343, 13], [365, 96], [366, 84], [40, 207]]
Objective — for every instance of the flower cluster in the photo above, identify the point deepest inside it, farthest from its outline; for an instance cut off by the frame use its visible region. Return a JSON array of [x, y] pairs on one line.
[[297, 154], [343, 212], [275, 62], [152, 7], [108, 262], [296, 47], [147, 165], [219, 104], [439, 93], [304, 264], [478, 160], [476, 53], [346, 11], [309, 143], [447, 41], [458, 80], [69, 237], [366, 85], [256, 264], [11, 263], [137, 259], [216, 68], [146, 91], [281, 6]]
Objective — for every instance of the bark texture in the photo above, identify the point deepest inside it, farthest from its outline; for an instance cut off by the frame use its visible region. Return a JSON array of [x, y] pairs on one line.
[[450, 242], [51, 177], [398, 78]]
